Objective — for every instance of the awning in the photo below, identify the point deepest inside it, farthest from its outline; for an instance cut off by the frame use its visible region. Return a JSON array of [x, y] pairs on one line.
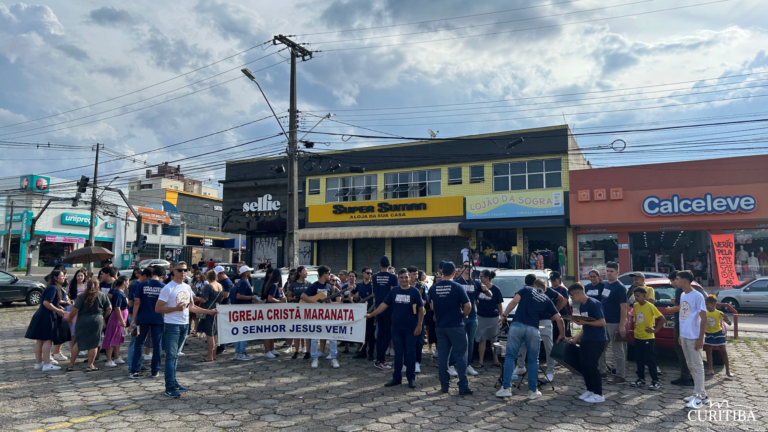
[[391, 231], [530, 223]]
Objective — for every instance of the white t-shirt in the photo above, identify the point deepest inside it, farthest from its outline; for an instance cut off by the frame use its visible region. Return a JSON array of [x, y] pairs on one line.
[[691, 304], [465, 254], [173, 294]]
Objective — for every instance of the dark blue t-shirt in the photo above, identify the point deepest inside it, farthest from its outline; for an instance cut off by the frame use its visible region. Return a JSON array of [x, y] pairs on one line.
[[318, 287], [401, 302], [364, 290], [244, 288], [593, 309], [50, 295], [534, 306], [275, 292], [118, 300], [147, 293], [563, 291], [614, 294], [448, 299], [470, 287], [594, 291], [487, 305], [105, 287], [132, 294], [383, 282], [226, 286]]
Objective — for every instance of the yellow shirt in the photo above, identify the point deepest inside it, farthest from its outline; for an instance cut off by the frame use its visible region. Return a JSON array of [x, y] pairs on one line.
[[645, 317], [713, 321], [649, 292]]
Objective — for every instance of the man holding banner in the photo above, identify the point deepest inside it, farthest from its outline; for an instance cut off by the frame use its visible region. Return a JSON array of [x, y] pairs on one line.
[[309, 296]]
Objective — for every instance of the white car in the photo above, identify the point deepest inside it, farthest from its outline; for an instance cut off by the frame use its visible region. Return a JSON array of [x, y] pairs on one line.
[[749, 295], [626, 278], [511, 281]]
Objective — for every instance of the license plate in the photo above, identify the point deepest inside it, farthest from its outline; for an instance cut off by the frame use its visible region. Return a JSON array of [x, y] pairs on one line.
[[669, 324]]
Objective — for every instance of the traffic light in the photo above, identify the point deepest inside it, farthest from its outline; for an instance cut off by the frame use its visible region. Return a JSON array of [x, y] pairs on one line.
[[76, 200], [142, 242], [34, 244], [82, 184]]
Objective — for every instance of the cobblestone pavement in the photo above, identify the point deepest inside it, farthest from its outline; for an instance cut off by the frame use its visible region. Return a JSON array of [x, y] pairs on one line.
[[286, 394]]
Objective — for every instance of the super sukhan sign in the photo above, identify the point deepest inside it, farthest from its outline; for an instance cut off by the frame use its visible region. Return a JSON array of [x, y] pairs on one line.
[[708, 204]]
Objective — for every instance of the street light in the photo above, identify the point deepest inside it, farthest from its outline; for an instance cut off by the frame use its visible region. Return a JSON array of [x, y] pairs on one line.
[[205, 229]]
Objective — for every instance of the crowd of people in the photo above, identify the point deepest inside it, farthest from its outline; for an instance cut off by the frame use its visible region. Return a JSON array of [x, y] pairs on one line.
[[157, 310]]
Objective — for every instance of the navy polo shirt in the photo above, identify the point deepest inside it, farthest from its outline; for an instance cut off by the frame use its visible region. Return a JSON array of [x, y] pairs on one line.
[[448, 299], [533, 306], [402, 302], [593, 309], [383, 282]]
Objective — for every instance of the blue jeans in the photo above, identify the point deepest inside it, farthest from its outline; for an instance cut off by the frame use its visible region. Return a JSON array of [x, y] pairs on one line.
[[420, 341], [384, 335], [157, 350], [520, 334], [470, 326], [405, 346], [313, 349], [173, 339], [239, 347], [452, 339]]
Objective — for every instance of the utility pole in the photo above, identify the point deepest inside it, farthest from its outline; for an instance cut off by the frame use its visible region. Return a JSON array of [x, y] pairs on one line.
[[91, 234], [292, 225], [8, 251]]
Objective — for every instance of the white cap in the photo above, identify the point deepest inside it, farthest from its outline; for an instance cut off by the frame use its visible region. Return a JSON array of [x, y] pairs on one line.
[[244, 269], [219, 269]]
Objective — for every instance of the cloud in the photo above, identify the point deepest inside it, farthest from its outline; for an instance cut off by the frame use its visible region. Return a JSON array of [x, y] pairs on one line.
[[116, 72], [73, 51], [21, 19], [232, 21], [110, 16], [173, 54]]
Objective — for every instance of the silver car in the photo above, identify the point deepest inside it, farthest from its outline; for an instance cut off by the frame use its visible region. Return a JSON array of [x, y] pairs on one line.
[[749, 295]]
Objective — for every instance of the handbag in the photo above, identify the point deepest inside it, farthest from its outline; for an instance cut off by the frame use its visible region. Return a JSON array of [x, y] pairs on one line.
[[63, 333]]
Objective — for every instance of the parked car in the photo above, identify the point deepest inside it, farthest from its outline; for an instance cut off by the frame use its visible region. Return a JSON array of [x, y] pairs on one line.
[[511, 281], [154, 262], [752, 294], [626, 278], [13, 289], [257, 278], [230, 270]]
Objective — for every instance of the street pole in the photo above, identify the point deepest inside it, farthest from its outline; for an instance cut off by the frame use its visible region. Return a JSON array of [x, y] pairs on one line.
[[8, 251], [91, 234], [205, 229]]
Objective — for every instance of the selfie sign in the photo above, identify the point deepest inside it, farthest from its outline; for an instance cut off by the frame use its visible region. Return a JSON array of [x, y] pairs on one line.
[[724, 260], [244, 322]]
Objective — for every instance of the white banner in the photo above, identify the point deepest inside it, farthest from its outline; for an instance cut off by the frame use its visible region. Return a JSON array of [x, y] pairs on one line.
[[246, 322]]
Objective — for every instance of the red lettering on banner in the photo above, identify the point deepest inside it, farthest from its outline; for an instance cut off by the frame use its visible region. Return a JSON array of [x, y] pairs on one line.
[[242, 316]]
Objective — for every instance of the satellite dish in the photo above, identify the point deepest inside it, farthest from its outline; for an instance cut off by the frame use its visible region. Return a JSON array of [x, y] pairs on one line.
[[432, 134]]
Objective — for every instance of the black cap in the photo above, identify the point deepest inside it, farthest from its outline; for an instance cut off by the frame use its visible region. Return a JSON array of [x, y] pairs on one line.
[[554, 275], [448, 268], [384, 261]]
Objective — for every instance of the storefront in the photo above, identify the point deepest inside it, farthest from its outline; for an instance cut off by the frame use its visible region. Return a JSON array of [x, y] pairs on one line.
[[658, 218]]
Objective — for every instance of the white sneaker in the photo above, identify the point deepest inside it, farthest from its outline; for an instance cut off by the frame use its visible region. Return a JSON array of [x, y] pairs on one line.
[[418, 368], [689, 398], [275, 353], [519, 371], [504, 392], [245, 357], [50, 367], [314, 364], [147, 356], [119, 361], [60, 357], [82, 354], [586, 395], [54, 362], [534, 395], [404, 369], [452, 371], [110, 364], [269, 355], [390, 352], [434, 354], [595, 399], [334, 363], [550, 377], [471, 371], [329, 357], [180, 354], [289, 350], [38, 366]]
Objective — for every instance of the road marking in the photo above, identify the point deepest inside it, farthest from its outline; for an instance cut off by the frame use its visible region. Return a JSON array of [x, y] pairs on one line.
[[85, 419], [8, 386]]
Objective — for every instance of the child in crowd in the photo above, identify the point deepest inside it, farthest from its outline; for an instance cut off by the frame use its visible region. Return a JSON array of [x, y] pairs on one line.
[[646, 327], [715, 337]]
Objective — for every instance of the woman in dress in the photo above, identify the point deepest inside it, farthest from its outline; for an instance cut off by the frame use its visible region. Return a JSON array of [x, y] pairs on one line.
[[91, 308], [211, 295], [113, 337], [274, 289], [76, 287], [43, 328], [489, 307], [198, 282], [65, 301]]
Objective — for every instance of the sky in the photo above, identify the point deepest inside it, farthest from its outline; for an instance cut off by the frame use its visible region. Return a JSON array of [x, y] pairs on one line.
[[160, 81]]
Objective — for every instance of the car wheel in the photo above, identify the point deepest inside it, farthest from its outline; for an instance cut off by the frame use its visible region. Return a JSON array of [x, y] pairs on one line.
[[732, 302], [6, 304], [33, 298]]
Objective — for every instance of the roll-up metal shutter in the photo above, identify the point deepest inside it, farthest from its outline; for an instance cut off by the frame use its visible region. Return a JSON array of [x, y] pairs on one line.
[[332, 253], [447, 249], [409, 251], [367, 253]]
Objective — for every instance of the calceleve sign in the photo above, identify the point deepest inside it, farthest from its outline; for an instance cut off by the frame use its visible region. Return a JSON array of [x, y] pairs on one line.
[[516, 204], [708, 204]]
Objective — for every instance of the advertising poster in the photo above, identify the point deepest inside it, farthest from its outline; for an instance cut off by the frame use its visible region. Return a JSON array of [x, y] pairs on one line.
[[516, 204], [724, 262]]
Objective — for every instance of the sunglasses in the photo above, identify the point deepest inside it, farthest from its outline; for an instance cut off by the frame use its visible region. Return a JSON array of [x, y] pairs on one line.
[[466, 266], [368, 273], [182, 270]]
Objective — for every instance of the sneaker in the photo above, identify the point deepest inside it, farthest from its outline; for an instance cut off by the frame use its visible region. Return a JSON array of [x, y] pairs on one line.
[[275, 353], [519, 371], [381, 365], [110, 364], [307, 356], [180, 354], [173, 394], [689, 398], [371, 357], [295, 355], [465, 392], [269, 355], [329, 357], [147, 356], [334, 363], [638, 383], [390, 352], [550, 377], [685, 382], [60, 357], [471, 371], [504, 392], [220, 349], [82, 354], [314, 364], [119, 361], [696, 403], [181, 389], [658, 370], [54, 362], [405, 369], [654, 386], [617, 380], [586, 395], [135, 375], [155, 374], [452, 371], [360, 355], [50, 367], [534, 395], [289, 351], [38, 366], [245, 357], [434, 354], [595, 399], [418, 368]]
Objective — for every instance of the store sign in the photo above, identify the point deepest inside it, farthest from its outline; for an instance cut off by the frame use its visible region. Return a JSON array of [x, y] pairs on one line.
[[77, 219], [516, 204], [261, 205], [217, 208], [154, 216], [16, 217], [708, 204], [206, 242], [32, 183], [724, 259], [110, 225], [386, 210], [64, 239]]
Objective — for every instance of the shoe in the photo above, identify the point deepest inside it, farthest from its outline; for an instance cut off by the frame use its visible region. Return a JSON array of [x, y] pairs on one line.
[[135, 375], [370, 357], [696, 403], [595, 399], [390, 352], [180, 354], [466, 393], [617, 380], [289, 350], [245, 357], [360, 355], [155, 374], [471, 371], [519, 371], [147, 356], [38, 366], [334, 363], [534, 395], [418, 368], [382, 365], [346, 350], [550, 377], [412, 384], [275, 353], [654, 386], [269, 355], [82, 354], [452, 371], [173, 394], [504, 392], [60, 357], [119, 361], [685, 382], [144, 369], [314, 364], [110, 364], [405, 369], [586, 395], [329, 357], [444, 390], [181, 389], [637, 383], [54, 362], [295, 355], [50, 367], [307, 356], [393, 383], [434, 354], [658, 371]]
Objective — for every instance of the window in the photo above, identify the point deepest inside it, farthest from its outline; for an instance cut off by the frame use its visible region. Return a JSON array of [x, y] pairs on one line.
[[759, 286], [146, 228], [314, 186], [537, 174], [154, 229], [357, 188], [454, 176], [133, 187], [412, 184], [477, 174]]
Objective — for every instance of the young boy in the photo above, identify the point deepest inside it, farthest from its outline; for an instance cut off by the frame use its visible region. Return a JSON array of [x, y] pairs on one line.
[[715, 337], [646, 327]]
